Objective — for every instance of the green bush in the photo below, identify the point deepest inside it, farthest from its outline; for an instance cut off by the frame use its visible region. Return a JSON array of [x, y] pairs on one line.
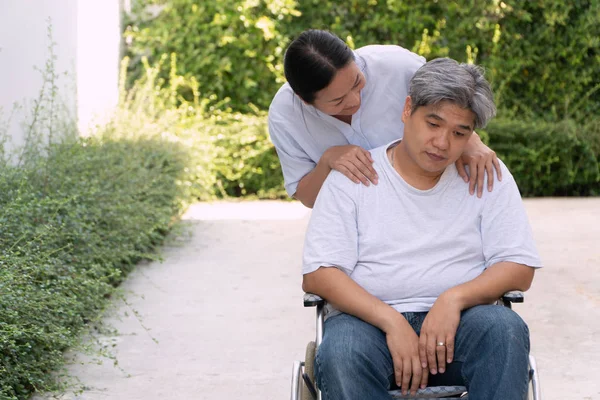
[[245, 160], [71, 226], [230, 152], [590, 133], [541, 56], [546, 159], [232, 47]]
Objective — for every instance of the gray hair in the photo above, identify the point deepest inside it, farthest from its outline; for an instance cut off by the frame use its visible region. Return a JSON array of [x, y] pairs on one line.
[[463, 84]]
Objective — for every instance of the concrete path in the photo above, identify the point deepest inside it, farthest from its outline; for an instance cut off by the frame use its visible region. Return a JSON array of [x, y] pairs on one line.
[[225, 308]]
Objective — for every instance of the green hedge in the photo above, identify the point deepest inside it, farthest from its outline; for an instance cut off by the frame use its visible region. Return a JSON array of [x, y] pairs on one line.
[[229, 152], [546, 159], [71, 227], [231, 47], [245, 161], [541, 56]]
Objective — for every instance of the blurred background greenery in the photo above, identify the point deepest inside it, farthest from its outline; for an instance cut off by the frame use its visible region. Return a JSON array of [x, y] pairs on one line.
[[541, 56]]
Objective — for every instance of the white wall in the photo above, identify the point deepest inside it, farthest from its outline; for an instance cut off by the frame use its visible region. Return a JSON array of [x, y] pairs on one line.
[[98, 57], [87, 34]]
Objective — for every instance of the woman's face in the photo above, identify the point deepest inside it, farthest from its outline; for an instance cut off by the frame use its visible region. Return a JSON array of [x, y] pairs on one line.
[[342, 96]]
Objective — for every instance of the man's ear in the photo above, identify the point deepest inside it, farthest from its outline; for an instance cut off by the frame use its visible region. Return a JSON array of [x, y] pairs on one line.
[[407, 109]]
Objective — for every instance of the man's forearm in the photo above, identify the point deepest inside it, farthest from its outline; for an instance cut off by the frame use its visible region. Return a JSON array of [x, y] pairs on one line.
[[309, 186], [347, 296], [491, 285]]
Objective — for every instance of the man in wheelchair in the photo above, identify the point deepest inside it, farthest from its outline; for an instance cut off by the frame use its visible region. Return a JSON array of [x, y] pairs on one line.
[[411, 267]]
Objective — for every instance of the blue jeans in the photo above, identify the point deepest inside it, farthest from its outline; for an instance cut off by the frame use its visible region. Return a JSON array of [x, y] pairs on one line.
[[490, 357]]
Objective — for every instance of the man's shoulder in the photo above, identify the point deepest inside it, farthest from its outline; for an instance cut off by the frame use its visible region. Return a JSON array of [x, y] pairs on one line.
[[358, 192], [339, 182], [508, 182], [507, 178], [500, 188]]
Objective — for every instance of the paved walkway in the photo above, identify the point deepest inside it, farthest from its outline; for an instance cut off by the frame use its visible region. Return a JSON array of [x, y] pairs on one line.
[[225, 307]]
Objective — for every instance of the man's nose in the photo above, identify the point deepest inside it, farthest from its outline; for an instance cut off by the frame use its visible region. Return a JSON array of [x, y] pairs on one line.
[[441, 140]]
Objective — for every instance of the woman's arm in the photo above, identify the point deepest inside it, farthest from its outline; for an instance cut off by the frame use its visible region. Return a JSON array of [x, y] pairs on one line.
[[309, 186]]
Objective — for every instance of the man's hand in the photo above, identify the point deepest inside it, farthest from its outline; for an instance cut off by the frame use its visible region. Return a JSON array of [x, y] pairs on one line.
[[403, 344], [354, 162], [436, 343], [480, 159]]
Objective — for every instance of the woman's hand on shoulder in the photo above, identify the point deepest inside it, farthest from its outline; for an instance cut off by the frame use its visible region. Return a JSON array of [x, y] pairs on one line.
[[354, 162], [481, 160]]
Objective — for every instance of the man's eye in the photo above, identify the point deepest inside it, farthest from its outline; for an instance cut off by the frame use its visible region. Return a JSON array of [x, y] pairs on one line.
[[431, 124], [459, 133]]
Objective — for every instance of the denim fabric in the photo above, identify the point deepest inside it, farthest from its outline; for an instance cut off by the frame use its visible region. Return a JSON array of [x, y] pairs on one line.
[[490, 358]]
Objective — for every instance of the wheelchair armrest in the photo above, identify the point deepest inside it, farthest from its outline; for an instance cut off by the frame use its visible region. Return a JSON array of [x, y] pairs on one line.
[[312, 300], [514, 296]]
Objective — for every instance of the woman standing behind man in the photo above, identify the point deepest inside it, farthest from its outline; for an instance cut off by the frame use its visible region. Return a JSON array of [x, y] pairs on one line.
[[338, 104]]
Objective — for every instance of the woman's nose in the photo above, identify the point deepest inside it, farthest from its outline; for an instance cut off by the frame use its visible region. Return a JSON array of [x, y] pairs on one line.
[[354, 99]]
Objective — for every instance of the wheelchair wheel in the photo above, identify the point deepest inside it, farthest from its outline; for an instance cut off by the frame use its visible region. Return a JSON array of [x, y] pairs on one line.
[[530, 392], [309, 369]]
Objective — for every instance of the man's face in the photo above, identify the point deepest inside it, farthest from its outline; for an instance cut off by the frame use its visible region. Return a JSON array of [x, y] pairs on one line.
[[435, 136], [342, 95]]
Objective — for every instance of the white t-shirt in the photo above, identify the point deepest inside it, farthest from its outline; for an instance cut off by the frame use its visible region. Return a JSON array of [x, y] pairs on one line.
[[407, 246], [301, 133]]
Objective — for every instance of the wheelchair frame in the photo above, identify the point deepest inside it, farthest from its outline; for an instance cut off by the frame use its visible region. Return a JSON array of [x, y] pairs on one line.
[[303, 388]]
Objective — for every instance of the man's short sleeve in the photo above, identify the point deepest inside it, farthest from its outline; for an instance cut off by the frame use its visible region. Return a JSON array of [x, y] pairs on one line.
[[332, 234], [295, 163], [505, 230]]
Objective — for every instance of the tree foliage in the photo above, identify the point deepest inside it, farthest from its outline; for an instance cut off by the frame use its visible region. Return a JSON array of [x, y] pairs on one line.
[[542, 56]]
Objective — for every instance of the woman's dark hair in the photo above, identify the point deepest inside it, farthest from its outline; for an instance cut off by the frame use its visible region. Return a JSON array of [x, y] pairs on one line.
[[312, 60]]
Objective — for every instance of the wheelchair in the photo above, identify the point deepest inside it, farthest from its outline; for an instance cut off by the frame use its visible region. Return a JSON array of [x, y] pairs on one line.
[[303, 382]]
